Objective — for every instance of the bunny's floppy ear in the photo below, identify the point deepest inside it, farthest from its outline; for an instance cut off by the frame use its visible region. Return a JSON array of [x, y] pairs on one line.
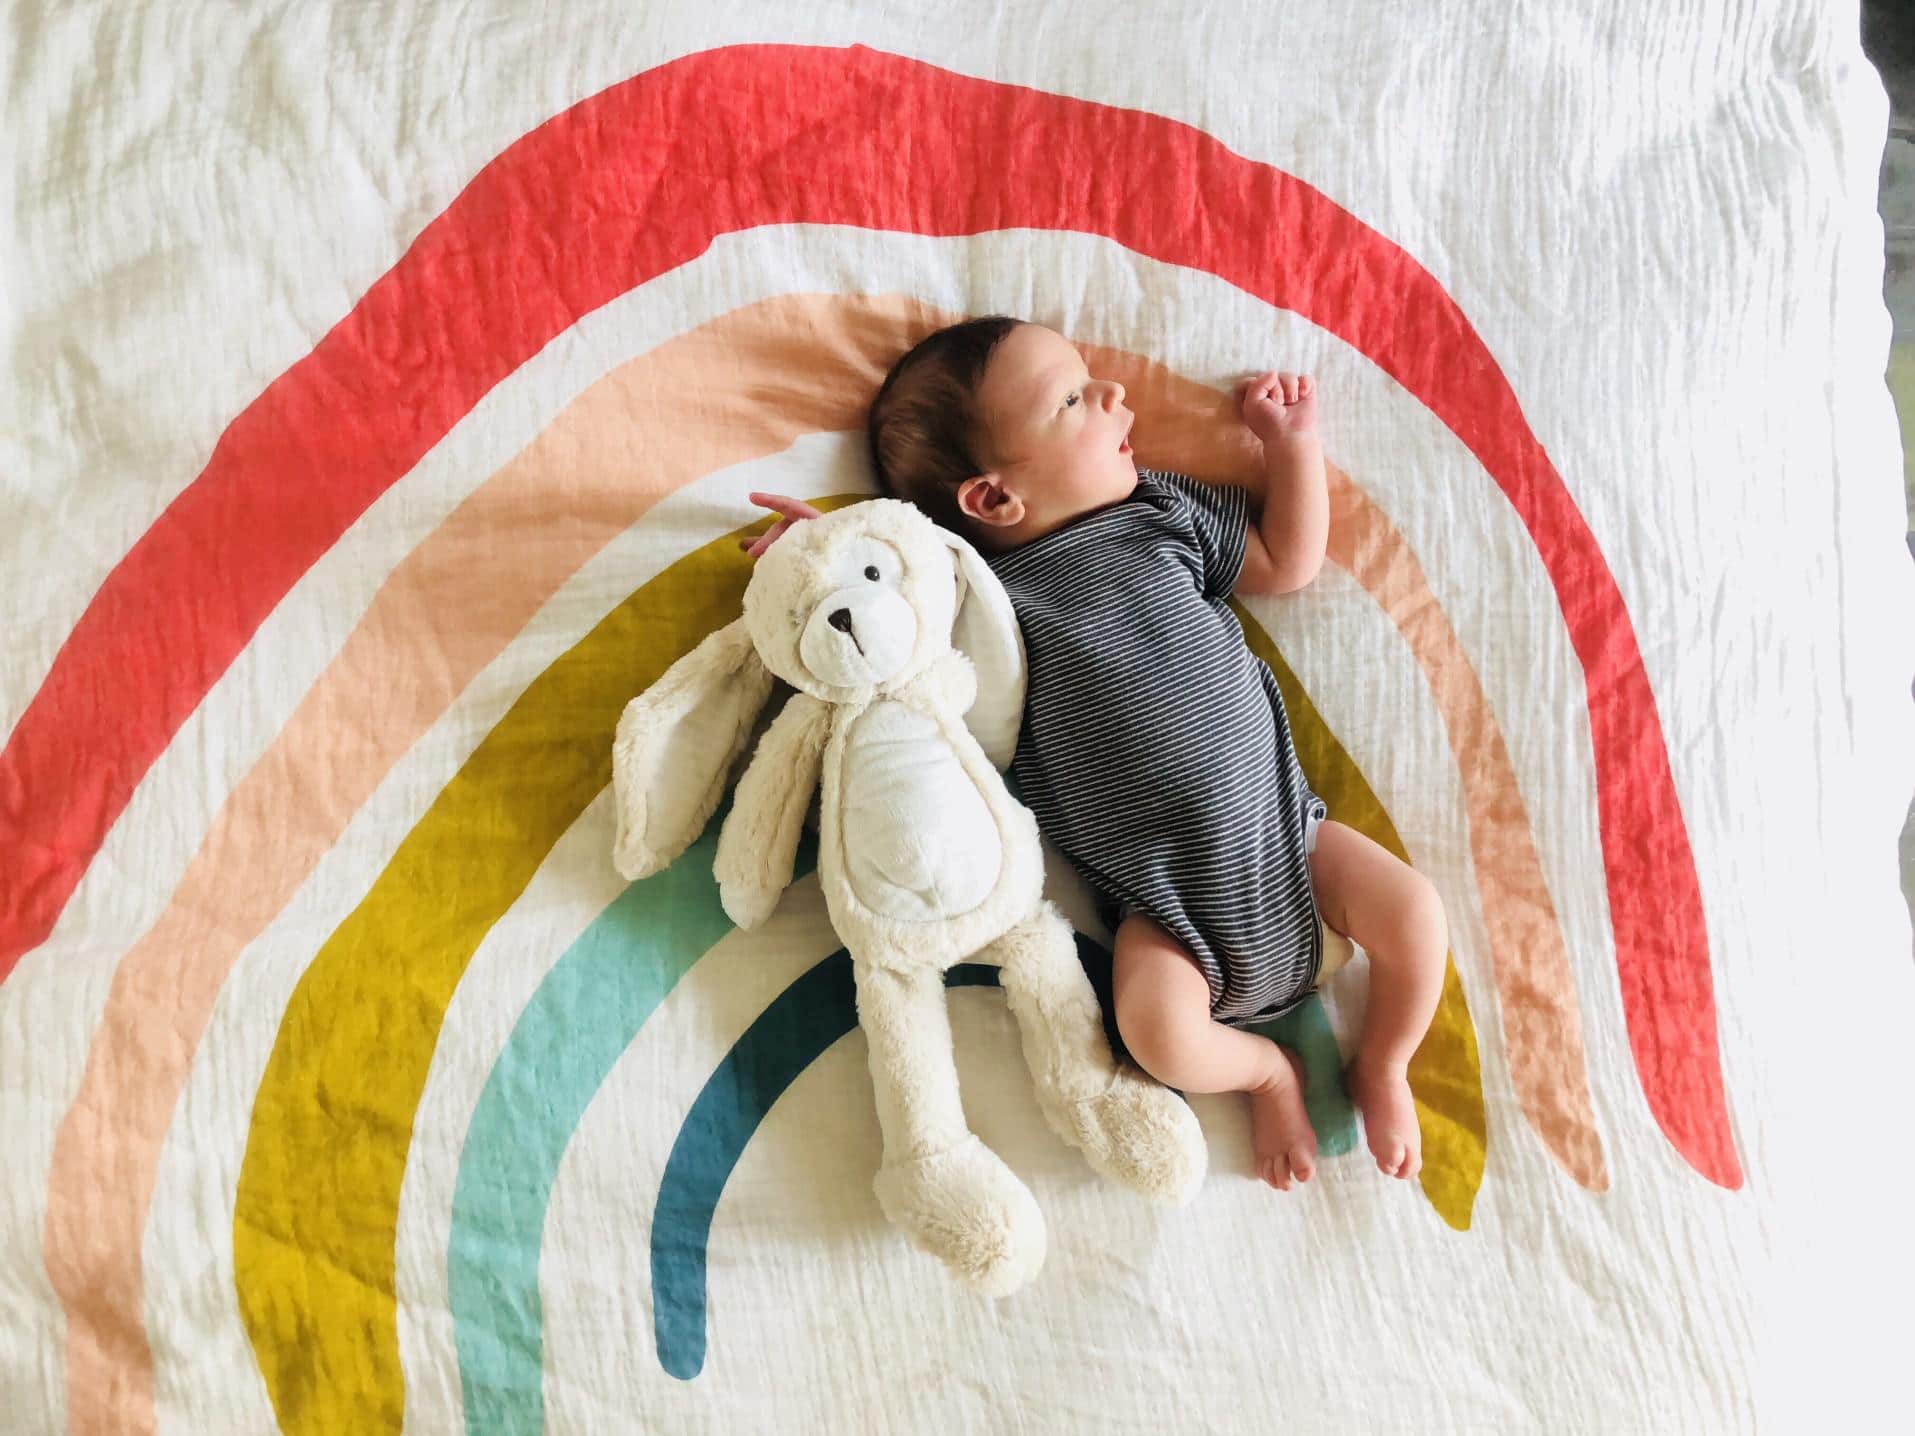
[[676, 744], [986, 632]]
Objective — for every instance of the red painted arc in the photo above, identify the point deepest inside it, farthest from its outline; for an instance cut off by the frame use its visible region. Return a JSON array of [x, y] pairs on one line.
[[641, 178]]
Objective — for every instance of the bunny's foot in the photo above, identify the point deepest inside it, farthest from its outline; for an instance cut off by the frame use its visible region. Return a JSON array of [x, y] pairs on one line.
[[969, 1210], [1139, 1133]]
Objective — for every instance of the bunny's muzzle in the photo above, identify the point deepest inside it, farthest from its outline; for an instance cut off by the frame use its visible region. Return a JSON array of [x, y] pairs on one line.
[[859, 637]]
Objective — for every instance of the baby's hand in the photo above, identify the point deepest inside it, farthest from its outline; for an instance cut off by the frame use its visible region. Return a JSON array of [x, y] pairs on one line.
[[1278, 406], [789, 511]]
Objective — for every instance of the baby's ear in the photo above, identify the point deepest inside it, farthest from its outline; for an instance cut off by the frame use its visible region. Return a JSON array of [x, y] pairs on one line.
[[985, 499], [985, 631]]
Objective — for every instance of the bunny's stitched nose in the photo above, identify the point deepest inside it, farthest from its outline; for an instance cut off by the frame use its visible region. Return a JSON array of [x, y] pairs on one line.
[[840, 619]]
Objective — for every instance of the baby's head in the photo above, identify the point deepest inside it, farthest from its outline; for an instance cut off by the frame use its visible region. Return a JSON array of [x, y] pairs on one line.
[[995, 429]]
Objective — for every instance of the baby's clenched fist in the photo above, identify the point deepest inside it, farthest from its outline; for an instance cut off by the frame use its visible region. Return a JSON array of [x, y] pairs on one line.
[[1279, 405]]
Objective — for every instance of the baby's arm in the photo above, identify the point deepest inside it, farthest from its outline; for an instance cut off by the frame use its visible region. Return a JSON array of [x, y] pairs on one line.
[[1284, 547], [789, 511]]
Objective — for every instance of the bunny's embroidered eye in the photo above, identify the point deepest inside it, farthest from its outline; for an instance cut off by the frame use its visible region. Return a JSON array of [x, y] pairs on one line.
[[868, 560]]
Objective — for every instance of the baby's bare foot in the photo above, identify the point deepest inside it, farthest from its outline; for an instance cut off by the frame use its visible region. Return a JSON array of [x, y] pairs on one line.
[[1382, 1094], [1280, 1131]]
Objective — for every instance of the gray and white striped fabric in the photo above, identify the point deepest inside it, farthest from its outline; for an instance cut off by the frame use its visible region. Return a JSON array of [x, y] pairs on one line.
[[1155, 751]]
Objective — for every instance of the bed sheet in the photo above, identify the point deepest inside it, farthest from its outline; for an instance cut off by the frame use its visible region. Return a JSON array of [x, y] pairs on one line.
[[383, 390]]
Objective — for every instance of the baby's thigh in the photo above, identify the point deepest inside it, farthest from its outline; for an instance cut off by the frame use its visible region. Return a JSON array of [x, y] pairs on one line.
[[1366, 892], [1151, 972]]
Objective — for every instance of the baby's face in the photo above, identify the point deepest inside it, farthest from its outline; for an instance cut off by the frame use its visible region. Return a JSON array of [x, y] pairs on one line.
[[1059, 437]]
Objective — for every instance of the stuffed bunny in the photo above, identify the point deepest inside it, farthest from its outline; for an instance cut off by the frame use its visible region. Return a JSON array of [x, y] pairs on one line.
[[925, 858]]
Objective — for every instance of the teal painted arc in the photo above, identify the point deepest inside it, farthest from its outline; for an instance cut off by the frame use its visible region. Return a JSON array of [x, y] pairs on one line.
[[1305, 1030], [581, 1019]]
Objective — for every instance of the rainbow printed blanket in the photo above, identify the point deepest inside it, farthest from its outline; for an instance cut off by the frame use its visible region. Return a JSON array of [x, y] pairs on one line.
[[383, 388]]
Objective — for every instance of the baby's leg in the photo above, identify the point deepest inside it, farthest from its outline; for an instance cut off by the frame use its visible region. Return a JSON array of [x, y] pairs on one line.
[[1163, 1011], [1393, 913]]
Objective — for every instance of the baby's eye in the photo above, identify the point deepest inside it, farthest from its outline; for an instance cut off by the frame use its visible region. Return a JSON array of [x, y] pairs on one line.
[[1070, 399], [871, 572]]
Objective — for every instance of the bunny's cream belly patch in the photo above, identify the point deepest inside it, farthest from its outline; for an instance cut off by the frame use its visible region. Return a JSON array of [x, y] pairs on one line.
[[920, 844]]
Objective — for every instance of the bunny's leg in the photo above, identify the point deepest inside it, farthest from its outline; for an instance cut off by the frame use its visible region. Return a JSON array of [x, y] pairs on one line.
[[1128, 1126], [951, 1194]]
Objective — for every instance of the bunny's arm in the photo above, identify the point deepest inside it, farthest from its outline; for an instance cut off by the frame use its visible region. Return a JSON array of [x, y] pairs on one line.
[[759, 842], [676, 745]]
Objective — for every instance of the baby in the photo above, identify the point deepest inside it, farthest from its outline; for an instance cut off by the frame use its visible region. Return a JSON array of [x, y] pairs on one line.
[[1155, 750]]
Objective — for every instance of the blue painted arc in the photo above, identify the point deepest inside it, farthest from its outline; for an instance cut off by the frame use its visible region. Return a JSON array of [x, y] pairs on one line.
[[805, 1021]]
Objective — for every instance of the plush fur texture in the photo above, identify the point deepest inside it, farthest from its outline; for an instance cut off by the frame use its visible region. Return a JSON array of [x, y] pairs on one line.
[[924, 857]]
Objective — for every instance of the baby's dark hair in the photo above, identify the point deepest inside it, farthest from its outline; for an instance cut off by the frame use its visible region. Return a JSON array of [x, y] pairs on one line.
[[926, 430]]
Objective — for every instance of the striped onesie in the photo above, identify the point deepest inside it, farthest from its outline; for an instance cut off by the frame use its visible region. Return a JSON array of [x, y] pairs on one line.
[[1155, 752]]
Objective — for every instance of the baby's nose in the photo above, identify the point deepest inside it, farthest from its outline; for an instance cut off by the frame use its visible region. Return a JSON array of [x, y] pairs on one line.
[[1114, 394]]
